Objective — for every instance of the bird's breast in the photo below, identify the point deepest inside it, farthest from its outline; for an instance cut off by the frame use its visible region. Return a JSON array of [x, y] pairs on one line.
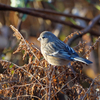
[[56, 61]]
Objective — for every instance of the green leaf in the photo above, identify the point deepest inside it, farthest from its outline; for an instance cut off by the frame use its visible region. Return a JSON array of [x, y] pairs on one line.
[[11, 66], [62, 37], [88, 1], [24, 17], [97, 6], [72, 20], [52, 6], [12, 72], [3, 58]]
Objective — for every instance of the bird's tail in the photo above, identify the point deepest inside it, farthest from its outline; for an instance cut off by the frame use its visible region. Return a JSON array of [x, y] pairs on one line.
[[82, 60]]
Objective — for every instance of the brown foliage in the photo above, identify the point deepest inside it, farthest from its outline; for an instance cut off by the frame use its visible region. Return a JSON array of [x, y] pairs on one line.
[[40, 81]]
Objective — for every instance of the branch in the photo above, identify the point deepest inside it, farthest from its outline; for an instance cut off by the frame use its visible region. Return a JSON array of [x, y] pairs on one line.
[[23, 96], [87, 29], [48, 11], [44, 16]]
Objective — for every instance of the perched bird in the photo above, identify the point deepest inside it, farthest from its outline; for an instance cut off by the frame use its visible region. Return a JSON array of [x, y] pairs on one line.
[[56, 52]]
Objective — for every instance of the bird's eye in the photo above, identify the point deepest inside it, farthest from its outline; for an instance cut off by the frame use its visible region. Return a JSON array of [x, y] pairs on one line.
[[43, 37]]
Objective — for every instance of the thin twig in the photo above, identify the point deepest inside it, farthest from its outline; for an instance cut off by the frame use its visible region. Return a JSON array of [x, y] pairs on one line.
[[91, 47], [19, 86], [85, 30], [17, 32], [25, 96], [48, 75], [89, 87]]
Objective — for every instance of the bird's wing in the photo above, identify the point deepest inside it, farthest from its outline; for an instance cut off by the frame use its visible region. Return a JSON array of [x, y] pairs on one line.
[[59, 45], [52, 47], [59, 49], [71, 51], [61, 54], [66, 48]]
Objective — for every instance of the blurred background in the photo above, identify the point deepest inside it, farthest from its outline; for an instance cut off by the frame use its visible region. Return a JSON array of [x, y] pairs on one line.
[[31, 26]]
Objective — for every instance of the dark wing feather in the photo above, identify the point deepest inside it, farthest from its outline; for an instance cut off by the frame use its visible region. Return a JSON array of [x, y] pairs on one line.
[[52, 47], [65, 47], [59, 49]]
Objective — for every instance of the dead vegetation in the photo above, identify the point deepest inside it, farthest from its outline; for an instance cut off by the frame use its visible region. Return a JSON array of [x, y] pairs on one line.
[[38, 80]]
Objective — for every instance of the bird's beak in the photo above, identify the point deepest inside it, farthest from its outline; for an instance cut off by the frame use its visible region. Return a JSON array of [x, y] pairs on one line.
[[39, 39]]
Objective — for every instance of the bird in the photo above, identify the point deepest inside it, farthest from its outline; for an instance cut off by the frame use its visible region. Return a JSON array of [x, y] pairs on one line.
[[56, 52]]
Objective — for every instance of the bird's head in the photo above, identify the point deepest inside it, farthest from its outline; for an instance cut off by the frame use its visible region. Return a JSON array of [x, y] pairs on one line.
[[46, 37]]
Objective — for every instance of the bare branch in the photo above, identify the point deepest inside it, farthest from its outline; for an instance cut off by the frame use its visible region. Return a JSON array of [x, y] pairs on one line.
[[87, 29], [44, 16]]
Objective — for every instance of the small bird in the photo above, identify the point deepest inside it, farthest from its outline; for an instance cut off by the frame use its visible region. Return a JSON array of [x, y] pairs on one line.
[[56, 52]]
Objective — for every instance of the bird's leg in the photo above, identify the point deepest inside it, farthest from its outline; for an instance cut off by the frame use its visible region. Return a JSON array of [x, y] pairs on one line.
[[55, 67]]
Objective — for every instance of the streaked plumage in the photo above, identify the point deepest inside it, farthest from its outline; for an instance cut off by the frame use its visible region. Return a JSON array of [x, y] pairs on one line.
[[57, 52]]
